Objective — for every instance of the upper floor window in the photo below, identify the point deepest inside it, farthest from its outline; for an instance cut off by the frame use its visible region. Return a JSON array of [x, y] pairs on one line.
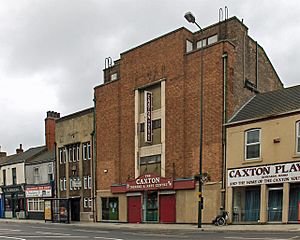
[[62, 155], [189, 46], [36, 175], [86, 151], [212, 39], [4, 177], [201, 43], [252, 144], [14, 176], [298, 137]]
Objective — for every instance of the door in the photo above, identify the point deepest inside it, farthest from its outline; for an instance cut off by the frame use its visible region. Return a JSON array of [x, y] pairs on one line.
[[167, 208], [134, 209], [75, 209], [275, 205]]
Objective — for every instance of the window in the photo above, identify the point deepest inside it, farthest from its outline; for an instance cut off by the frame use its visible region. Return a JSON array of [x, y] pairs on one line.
[[64, 155], [35, 205], [4, 177], [114, 76], [61, 155], [86, 151], [85, 182], [203, 42], [90, 202], [71, 184], [212, 39], [298, 137], [50, 172], [85, 202], [70, 156], [252, 144], [36, 175], [65, 183], [189, 46], [14, 175], [89, 182], [61, 184], [110, 208]]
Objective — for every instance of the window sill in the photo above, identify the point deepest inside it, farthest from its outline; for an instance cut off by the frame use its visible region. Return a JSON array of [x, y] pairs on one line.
[[296, 155], [252, 161]]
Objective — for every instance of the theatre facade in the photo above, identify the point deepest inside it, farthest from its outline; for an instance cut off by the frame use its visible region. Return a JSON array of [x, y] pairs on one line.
[[263, 159]]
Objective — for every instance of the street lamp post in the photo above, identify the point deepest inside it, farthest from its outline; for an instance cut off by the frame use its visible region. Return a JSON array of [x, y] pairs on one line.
[[191, 18]]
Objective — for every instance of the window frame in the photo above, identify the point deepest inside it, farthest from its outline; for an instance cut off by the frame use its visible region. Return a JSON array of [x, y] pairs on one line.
[[297, 137], [251, 144]]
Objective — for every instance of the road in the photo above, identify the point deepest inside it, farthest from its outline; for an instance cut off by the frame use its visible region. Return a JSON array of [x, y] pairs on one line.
[[28, 231]]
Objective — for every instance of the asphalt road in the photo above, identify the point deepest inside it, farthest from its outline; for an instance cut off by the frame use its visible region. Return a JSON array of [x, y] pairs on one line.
[[27, 231]]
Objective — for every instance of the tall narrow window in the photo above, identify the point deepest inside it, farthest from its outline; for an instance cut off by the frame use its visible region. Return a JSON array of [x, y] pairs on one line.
[[14, 175], [298, 137], [88, 150], [252, 144], [61, 155], [4, 177], [89, 182], [36, 175]]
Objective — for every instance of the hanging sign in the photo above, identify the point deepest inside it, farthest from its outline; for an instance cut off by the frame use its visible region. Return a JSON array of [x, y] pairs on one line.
[[148, 116]]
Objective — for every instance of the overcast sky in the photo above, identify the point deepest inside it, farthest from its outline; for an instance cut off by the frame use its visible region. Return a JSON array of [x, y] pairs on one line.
[[52, 51]]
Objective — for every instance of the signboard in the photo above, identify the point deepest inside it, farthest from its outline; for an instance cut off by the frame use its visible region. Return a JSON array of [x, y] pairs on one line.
[[12, 189], [148, 116], [38, 191], [149, 182], [48, 213], [265, 174]]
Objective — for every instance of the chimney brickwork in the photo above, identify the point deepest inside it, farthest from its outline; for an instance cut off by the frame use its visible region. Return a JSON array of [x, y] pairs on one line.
[[50, 129]]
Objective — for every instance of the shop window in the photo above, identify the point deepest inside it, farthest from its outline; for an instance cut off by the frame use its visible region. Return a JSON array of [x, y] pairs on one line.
[[252, 144], [298, 137], [110, 208], [294, 203], [246, 204], [35, 205]]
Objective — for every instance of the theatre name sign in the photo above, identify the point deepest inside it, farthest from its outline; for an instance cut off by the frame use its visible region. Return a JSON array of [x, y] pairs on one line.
[[265, 174]]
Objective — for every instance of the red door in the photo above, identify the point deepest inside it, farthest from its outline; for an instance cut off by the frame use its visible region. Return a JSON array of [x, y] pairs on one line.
[[167, 208], [134, 209]]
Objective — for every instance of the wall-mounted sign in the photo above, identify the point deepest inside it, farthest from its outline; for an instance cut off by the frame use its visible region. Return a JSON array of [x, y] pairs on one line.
[[38, 191], [148, 116], [265, 174], [13, 189], [149, 182]]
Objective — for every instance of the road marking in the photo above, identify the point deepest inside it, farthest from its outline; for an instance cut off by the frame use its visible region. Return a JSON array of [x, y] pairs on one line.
[[11, 230], [257, 238], [53, 233], [89, 231], [47, 228], [109, 238], [63, 237], [12, 238]]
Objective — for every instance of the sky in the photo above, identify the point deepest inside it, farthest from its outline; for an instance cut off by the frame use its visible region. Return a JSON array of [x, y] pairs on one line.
[[52, 51]]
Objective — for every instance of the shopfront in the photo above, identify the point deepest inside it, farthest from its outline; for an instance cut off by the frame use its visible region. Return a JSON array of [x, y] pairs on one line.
[[35, 195], [148, 199], [264, 193], [14, 201]]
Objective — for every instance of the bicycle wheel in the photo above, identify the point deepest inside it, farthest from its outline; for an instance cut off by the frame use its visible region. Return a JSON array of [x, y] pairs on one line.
[[221, 221]]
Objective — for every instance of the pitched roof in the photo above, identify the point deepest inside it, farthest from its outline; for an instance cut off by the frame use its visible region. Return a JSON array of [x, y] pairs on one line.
[[45, 156], [22, 157], [269, 104]]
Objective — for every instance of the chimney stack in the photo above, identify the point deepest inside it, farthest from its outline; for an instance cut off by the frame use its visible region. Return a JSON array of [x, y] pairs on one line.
[[19, 150], [50, 129], [2, 154]]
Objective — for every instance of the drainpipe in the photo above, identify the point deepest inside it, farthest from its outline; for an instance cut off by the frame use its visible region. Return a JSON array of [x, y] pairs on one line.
[[256, 67], [224, 120], [94, 162]]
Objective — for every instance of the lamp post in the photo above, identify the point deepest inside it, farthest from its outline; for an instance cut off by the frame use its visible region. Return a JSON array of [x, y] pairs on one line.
[[191, 18]]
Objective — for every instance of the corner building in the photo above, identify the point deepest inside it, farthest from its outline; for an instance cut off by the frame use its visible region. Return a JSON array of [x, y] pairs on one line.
[[147, 116]]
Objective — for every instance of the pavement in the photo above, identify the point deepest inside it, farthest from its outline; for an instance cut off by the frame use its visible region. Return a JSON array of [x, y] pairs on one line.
[[169, 227]]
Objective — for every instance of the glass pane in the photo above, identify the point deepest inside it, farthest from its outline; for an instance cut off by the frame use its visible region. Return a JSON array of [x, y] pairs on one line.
[[298, 145], [253, 151], [298, 126], [253, 136]]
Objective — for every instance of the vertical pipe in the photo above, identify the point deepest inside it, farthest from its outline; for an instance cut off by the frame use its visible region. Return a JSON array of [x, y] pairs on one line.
[[94, 162], [224, 120], [256, 66]]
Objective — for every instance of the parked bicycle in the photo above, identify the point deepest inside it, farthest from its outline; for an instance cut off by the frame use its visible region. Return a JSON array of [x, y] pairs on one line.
[[221, 220]]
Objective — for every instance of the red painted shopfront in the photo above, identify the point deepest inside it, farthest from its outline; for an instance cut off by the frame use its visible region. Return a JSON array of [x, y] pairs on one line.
[[151, 198]]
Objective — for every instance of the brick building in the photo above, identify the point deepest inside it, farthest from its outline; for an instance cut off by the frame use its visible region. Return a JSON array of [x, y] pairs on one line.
[[147, 115]]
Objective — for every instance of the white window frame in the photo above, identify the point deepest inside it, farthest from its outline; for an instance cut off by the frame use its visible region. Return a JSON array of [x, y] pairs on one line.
[[85, 184], [203, 42], [71, 184], [65, 184], [64, 154], [74, 153], [84, 151], [297, 137], [61, 154], [89, 182], [70, 149], [85, 202], [61, 182], [90, 203], [77, 151], [36, 202], [88, 150], [188, 46], [251, 144], [212, 39]]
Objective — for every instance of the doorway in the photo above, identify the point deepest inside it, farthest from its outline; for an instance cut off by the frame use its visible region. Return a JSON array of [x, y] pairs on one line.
[[75, 209], [275, 204], [150, 206]]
